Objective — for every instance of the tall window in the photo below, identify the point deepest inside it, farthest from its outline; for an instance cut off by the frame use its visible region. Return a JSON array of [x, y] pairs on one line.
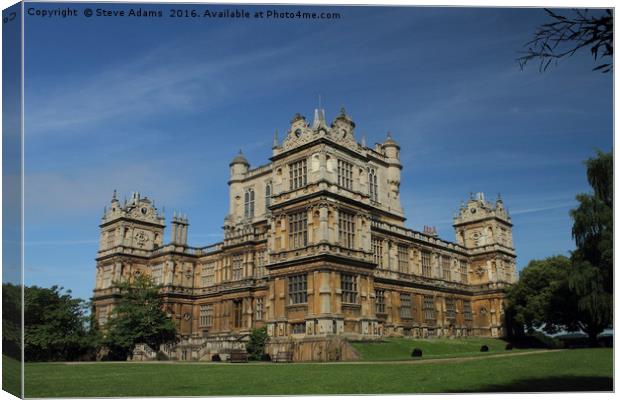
[[260, 264], [345, 174], [377, 251], [426, 263], [157, 274], [259, 308], [429, 308], [348, 284], [298, 289], [268, 187], [467, 310], [346, 229], [450, 310], [206, 315], [298, 172], [373, 189], [237, 313], [207, 278], [106, 281], [405, 305], [103, 315], [298, 230], [249, 203], [111, 237], [463, 272], [237, 267], [403, 258], [445, 268], [379, 301]]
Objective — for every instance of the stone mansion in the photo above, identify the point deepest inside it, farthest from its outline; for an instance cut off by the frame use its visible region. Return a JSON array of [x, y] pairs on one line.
[[315, 247]]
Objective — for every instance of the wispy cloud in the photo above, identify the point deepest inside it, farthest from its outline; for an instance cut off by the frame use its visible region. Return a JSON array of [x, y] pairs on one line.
[[59, 242], [539, 209]]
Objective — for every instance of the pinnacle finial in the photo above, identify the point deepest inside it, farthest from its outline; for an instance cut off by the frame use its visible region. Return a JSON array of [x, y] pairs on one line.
[[363, 140], [114, 195], [320, 104], [342, 111], [499, 196], [389, 134], [275, 138]]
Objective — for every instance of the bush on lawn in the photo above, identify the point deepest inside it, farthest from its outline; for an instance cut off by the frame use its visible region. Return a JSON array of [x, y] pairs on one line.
[[484, 348], [216, 358], [416, 352], [509, 346], [256, 345]]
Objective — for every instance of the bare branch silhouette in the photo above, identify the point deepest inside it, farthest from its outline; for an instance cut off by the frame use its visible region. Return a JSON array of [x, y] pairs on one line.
[[565, 35]]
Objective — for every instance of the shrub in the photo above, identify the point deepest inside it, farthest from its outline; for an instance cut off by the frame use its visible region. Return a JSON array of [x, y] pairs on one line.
[[484, 348], [265, 357], [509, 346], [216, 358], [416, 352], [256, 345]]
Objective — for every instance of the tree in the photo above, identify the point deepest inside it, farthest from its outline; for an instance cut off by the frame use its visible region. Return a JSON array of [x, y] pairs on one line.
[[591, 277], [577, 294], [542, 299], [56, 326], [11, 320], [256, 344], [564, 35], [138, 318]]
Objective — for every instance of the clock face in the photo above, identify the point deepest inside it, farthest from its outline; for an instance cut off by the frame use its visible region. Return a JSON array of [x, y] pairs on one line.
[[141, 238]]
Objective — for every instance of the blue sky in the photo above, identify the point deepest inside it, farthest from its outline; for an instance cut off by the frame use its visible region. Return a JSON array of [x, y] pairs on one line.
[[160, 106]]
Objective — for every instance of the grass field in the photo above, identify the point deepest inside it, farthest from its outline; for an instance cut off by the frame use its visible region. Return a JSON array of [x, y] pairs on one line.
[[11, 375], [395, 349], [563, 370]]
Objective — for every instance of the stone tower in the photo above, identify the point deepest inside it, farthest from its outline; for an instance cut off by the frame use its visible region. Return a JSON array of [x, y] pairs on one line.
[[486, 230], [135, 224]]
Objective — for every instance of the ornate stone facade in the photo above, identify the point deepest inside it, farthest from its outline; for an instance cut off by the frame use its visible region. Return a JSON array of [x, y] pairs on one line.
[[315, 246]]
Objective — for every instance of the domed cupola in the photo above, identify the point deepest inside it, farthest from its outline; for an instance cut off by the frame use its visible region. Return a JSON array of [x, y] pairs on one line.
[[239, 166]]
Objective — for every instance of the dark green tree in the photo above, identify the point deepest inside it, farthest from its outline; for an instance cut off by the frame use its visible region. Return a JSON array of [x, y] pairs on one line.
[[570, 31], [542, 299], [56, 326], [256, 345], [11, 320], [591, 277], [137, 318]]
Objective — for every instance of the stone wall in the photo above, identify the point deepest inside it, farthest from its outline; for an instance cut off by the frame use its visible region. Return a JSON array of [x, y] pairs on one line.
[[331, 348]]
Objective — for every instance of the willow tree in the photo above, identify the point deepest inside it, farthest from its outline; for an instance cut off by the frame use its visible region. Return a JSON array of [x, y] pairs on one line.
[[591, 276]]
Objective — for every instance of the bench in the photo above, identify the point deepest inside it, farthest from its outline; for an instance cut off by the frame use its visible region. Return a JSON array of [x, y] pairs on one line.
[[238, 356], [283, 356]]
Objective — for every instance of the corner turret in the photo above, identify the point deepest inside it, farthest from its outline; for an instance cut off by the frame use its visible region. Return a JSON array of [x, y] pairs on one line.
[[239, 166]]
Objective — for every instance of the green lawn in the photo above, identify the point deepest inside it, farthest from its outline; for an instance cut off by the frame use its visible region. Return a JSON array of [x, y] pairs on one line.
[[584, 369], [400, 348], [11, 375]]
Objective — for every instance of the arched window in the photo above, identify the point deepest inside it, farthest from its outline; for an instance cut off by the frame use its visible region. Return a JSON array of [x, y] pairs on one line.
[[373, 191], [249, 203]]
